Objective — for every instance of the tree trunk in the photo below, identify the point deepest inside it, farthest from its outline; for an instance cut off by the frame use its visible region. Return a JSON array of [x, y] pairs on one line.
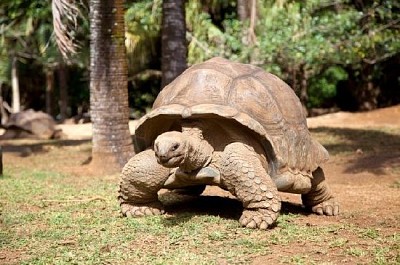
[[298, 80], [62, 80], [3, 112], [366, 92], [304, 90], [367, 96], [304, 86], [243, 9], [112, 143], [173, 37], [251, 35], [247, 11], [50, 92], [16, 105]]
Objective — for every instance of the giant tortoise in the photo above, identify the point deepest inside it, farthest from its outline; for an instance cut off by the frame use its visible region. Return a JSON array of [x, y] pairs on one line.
[[30, 124], [232, 125]]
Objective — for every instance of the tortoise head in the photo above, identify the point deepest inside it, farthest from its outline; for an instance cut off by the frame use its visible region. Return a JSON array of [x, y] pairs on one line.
[[171, 149]]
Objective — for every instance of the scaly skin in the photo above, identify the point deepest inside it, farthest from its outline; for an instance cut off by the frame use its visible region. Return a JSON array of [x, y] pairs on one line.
[[320, 199], [147, 172], [239, 168], [242, 173], [141, 178], [244, 176]]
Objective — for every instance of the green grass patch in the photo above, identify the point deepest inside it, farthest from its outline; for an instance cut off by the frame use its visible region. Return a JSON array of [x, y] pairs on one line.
[[48, 217]]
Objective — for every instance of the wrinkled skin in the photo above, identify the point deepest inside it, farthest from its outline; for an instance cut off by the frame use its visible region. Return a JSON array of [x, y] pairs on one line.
[[191, 158]]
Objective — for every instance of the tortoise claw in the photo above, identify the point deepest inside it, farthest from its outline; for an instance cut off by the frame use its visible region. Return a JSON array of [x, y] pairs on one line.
[[259, 218], [329, 208], [132, 210]]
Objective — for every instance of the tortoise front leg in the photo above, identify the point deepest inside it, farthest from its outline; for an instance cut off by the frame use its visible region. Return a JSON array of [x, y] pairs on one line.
[[244, 176], [141, 178], [320, 199]]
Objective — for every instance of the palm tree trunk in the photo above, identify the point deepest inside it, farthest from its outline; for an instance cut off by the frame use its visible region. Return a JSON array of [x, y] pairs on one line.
[[16, 105], [62, 81], [112, 143], [3, 112], [173, 37], [50, 92]]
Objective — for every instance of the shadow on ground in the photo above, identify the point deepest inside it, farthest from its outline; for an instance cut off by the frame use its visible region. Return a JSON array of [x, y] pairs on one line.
[[26, 147], [182, 208], [366, 149]]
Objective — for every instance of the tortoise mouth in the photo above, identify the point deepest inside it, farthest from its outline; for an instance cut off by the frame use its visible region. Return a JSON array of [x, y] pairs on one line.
[[170, 162]]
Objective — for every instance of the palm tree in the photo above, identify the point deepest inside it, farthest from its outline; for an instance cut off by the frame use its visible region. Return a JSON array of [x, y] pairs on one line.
[[173, 37], [112, 143]]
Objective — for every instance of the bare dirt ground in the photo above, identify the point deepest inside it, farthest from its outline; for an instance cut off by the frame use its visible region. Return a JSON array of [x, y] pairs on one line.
[[386, 117], [363, 172]]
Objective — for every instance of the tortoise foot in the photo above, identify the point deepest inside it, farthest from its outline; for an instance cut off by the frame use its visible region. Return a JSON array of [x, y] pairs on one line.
[[329, 207], [138, 210], [258, 218]]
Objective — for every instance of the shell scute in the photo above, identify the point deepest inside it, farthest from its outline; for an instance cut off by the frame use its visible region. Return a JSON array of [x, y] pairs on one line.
[[196, 87], [256, 99]]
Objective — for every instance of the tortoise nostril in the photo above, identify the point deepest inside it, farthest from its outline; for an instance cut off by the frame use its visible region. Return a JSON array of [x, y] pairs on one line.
[[162, 159]]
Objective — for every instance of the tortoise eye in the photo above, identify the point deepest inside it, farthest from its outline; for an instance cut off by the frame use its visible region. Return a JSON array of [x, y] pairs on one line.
[[174, 147]]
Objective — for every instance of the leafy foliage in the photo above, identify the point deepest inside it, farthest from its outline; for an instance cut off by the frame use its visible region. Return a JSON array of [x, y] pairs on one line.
[[206, 39], [143, 24], [307, 43], [323, 87], [26, 33], [313, 45]]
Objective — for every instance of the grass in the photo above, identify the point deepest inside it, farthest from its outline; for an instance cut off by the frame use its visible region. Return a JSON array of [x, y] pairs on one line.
[[52, 217]]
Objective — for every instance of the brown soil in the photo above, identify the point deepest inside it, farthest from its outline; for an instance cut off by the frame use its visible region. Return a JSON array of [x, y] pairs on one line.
[[385, 117], [365, 177]]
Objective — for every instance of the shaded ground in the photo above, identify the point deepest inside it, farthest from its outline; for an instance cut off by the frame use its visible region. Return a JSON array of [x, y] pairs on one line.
[[364, 173]]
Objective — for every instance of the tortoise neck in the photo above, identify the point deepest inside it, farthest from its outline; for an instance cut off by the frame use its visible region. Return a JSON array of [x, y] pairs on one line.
[[199, 150], [193, 129]]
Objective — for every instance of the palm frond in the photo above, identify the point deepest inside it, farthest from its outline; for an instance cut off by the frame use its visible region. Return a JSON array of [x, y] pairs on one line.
[[65, 17]]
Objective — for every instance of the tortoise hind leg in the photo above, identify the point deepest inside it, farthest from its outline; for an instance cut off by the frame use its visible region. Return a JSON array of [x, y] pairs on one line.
[[320, 199], [244, 176], [141, 178]]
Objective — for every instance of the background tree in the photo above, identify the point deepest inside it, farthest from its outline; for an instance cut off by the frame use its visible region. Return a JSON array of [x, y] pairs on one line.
[[311, 42], [174, 46], [112, 143], [26, 34], [341, 54]]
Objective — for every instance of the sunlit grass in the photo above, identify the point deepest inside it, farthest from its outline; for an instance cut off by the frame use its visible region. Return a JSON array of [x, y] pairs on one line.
[[48, 216]]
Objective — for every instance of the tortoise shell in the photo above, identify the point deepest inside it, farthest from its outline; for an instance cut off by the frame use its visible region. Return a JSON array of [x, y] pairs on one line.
[[243, 93], [30, 123]]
